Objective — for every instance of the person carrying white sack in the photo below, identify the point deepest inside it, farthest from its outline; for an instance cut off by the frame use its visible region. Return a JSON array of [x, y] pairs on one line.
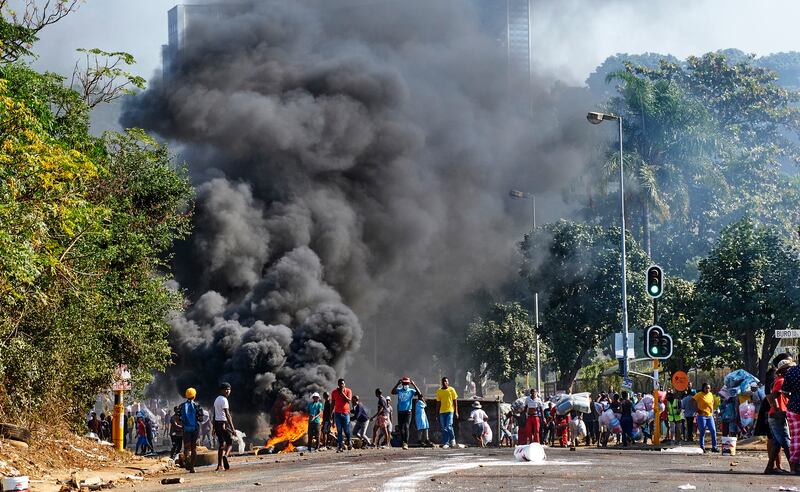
[[481, 430]]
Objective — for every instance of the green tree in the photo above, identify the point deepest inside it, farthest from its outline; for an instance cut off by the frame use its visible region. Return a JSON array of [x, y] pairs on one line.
[[86, 225], [502, 344], [581, 298], [749, 286]]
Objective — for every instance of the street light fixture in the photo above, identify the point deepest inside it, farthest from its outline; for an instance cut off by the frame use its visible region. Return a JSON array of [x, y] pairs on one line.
[[596, 118], [530, 196]]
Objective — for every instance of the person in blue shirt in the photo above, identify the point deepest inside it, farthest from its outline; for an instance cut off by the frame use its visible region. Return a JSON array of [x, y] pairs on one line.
[[406, 390], [421, 421], [314, 422], [359, 413]]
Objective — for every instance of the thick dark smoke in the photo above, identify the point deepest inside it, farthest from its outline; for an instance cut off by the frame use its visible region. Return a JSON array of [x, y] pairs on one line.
[[353, 165]]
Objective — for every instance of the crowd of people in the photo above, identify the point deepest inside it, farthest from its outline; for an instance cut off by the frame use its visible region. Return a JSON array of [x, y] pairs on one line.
[[339, 418]]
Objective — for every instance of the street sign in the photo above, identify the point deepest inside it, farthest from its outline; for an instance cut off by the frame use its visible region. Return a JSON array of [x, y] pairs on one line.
[[680, 381], [627, 384], [787, 333], [618, 346], [654, 281], [658, 344], [122, 378]]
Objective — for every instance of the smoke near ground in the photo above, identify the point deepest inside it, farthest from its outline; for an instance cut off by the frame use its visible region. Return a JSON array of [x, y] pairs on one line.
[[353, 167]]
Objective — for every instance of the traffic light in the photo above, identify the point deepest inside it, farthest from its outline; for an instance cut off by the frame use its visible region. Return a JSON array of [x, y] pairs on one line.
[[655, 281], [657, 343]]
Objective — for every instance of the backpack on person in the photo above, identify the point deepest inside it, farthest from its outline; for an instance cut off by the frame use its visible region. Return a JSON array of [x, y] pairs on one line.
[[191, 415]]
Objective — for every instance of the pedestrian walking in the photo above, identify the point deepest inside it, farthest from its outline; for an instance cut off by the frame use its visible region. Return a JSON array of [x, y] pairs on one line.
[[389, 416], [151, 435], [534, 410], [590, 419], [141, 434], [520, 413], [359, 413], [406, 390], [381, 414], [94, 425], [175, 432], [191, 415], [626, 418], [421, 421], [776, 419], [791, 385], [704, 410], [447, 400], [223, 426], [327, 418], [315, 410], [688, 414], [342, 397]]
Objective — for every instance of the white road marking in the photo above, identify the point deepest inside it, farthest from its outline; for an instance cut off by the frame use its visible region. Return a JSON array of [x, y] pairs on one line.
[[408, 483]]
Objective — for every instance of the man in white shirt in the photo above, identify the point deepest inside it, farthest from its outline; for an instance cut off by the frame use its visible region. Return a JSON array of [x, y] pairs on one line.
[[535, 409], [223, 426]]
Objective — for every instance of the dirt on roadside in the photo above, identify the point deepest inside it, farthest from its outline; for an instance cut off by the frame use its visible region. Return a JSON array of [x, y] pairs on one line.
[[58, 455]]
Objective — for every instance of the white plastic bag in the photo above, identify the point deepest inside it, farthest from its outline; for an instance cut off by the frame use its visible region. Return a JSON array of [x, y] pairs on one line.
[[533, 452]]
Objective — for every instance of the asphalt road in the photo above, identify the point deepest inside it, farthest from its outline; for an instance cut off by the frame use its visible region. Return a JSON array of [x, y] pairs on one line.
[[392, 470]]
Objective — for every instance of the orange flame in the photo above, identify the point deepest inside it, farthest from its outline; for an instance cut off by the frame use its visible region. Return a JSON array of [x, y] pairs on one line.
[[293, 427]]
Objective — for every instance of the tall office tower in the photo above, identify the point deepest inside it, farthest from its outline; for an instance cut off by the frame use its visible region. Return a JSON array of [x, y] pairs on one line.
[[180, 20], [506, 21]]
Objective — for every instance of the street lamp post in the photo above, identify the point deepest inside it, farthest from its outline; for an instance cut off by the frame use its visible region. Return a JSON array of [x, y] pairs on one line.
[[532, 198], [597, 118]]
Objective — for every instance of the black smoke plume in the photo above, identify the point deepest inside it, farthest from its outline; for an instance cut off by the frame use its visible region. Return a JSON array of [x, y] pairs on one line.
[[353, 161]]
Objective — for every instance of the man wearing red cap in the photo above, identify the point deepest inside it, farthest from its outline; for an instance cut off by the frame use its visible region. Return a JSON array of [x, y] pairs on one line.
[[406, 390]]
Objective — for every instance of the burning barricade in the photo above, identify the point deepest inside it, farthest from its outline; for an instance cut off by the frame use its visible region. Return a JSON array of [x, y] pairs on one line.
[[288, 435]]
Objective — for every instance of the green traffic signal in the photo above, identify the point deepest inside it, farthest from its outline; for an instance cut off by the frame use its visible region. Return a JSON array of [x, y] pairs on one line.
[[655, 281], [658, 344]]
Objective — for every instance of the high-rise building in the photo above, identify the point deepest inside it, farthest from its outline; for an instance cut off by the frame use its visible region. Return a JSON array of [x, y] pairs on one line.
[[180, 20], [509, 23], [506, 21]]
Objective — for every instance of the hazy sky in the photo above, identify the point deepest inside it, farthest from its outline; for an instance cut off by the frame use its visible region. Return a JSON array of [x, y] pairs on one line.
[[571, 37]]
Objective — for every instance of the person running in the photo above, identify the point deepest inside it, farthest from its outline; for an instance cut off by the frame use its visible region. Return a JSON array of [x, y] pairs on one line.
[[359, 412], [534, 409], [776, 418], [704, 409], [327, 418], [447, 400], [223, 426], [175, 432], [315, 409], [191, 415], [380, 428], [405, 389], [421, 421], [481, 431], [342, 397]]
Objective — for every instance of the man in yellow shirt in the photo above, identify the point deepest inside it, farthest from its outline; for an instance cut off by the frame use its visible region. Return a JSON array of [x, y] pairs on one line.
[[704, 408], [447, 399]]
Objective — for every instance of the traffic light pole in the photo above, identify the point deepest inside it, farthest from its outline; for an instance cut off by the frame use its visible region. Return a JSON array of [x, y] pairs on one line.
[[624, 255]]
